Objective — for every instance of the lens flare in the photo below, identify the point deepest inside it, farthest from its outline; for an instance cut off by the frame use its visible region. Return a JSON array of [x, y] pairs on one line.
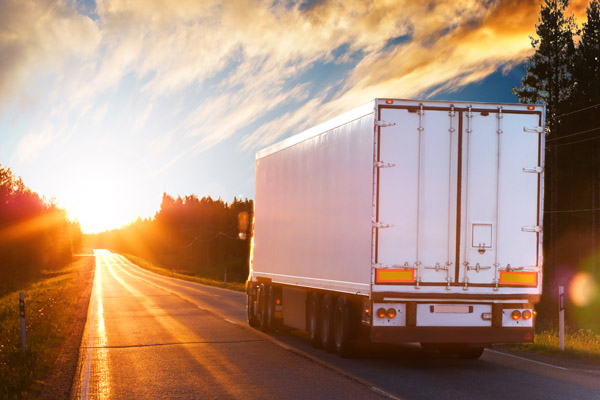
[[583, 289]]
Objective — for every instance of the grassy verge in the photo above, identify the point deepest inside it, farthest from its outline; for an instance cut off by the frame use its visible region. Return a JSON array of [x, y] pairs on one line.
[[581, 344], [49, 307], [240, 287]]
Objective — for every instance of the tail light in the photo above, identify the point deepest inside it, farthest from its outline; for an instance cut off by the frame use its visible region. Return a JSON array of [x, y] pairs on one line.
[[381, 313], [526, 314], [391, 312], [516, 314]]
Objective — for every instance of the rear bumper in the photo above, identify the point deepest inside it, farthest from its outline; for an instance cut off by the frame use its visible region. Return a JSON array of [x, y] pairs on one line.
[[472, 335]]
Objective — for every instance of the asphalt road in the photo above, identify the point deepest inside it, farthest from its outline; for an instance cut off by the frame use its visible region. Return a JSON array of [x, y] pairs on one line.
[[150, 336]]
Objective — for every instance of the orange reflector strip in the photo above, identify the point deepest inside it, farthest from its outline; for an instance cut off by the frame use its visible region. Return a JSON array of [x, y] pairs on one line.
[[394, 275], [518, 278]]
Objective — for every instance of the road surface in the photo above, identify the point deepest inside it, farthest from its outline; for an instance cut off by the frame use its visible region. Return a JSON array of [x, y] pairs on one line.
[[150, 336]]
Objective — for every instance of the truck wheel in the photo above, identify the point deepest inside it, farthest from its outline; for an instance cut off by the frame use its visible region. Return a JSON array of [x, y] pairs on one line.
[[342, 327], [263, 297], [252, 320], [314, 320], [327, 309]]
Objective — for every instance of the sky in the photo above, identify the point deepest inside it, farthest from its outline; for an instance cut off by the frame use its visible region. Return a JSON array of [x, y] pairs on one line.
[[105, 105]]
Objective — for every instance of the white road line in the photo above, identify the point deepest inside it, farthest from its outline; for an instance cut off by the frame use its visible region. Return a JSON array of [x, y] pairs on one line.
[[230, 321], [202, 308], [91, 323], [528, 359], [280, 344], [383, 393]]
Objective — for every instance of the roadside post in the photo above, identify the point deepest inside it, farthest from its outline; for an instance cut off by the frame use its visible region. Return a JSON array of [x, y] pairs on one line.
[[561, 316], [22, 311]]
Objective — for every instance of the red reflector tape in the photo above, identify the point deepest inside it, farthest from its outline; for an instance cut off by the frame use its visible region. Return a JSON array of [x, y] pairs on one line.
[[394, 275], [518, 278]]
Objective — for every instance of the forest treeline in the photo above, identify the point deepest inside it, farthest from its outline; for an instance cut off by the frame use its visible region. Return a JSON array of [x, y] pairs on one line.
[[35, 234], [564, 74], [189, 235]]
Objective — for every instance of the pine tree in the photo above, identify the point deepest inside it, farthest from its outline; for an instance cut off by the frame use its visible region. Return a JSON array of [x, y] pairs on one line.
[[587, 68], [549, 76]]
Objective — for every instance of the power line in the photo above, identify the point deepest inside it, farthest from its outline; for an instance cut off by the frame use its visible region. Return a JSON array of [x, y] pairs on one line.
[[574, 112], [576, 141], [573, 134], [571, 211]]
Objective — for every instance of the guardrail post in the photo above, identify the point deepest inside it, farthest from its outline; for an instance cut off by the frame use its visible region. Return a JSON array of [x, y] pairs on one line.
[[561, 316], [22, 312]]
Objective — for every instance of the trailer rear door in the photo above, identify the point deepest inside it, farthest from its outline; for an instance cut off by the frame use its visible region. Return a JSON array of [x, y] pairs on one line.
[[458, 194], [500, 186], [417, 195]]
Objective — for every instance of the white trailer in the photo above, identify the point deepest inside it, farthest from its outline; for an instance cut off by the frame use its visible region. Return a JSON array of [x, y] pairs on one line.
[[403, 221]]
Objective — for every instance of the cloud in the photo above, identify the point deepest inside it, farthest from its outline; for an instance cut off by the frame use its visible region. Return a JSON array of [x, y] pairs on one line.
[[39, 35], [445, 57], [31, 145], [141, 119], [240, 64]]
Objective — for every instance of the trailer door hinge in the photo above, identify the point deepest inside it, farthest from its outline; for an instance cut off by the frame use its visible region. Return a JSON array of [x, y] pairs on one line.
[[533, 129], [536, 170], [531, 229], [380, 225], [381, 164], [383, 124]]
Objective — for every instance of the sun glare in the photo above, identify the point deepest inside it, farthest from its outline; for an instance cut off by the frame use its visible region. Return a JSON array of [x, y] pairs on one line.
[[98, 205], [583, 289]]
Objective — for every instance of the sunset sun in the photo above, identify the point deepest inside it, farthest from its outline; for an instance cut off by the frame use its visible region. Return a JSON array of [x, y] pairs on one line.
[[97, 204]]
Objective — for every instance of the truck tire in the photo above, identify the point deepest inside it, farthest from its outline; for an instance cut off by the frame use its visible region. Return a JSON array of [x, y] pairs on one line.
[[342, 327], [251, 311], [263, 298], [327, 310], [314, 319]]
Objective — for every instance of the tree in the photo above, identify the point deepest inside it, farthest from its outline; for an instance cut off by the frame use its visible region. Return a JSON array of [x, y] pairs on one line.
[[34, 234], [587, 66], [549, 76]]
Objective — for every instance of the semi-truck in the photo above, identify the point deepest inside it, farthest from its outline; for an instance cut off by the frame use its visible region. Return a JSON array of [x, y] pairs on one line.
[[403, 221]]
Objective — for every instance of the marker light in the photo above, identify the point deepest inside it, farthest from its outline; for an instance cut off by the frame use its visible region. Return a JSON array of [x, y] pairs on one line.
[[391, 312], [516, 314], [530, 108], [381, 313], [526, 314], [278, 301], [389, 102]]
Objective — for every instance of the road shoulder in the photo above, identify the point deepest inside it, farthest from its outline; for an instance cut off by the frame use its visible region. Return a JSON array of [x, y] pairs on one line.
[[58, 383]]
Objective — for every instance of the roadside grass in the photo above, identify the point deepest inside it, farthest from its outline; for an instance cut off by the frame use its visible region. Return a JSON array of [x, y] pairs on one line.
[[238, 286], [581, 344], [49, 307]]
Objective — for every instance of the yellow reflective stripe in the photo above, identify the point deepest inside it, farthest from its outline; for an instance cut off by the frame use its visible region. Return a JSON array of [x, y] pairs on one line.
[[394, 275], [518, 278]]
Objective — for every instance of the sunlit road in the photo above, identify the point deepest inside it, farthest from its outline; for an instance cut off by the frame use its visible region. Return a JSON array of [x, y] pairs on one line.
[[150, 336]]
